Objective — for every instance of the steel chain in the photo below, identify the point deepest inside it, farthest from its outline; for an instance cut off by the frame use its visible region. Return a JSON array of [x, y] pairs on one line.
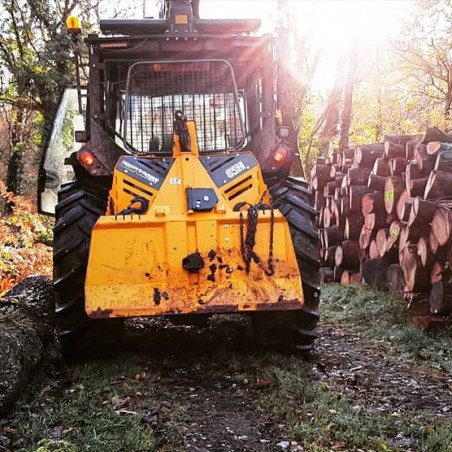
[[248, 242]]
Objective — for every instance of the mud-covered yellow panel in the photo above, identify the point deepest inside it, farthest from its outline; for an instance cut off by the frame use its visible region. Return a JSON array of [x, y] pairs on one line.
[[135, 266]]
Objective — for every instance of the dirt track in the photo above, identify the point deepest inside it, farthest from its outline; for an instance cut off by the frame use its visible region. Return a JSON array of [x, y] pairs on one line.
[[200, 389], [219, 408]]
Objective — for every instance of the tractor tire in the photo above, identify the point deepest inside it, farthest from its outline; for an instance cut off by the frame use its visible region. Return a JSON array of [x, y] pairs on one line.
[[295, 330], [80, 203]]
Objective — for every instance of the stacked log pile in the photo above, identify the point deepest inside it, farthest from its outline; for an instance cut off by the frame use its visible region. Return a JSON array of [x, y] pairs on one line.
[[385, 215]]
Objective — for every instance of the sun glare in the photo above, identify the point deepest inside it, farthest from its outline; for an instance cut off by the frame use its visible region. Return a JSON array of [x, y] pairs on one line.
[[329, 26]]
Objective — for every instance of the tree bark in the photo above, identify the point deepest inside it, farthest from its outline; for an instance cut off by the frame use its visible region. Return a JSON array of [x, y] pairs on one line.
[[329, 255], [396, 279], [26, 327], [416, 276], [412, 172], [329, 129], [356, 194], [395, 145], [417, 186], [347, 254], [326, 275], [424, 161], [443, 160], [441, 298], [373, 203], [332, 236], [381, 167], [439, 185], [424, 251], [409, 149], [394, 187], [353, 225], [373, 250], [421, 211], [374, 273], [366, 154], [376, 182], [358, 176], [434, 134], [403, 206], [442, 224], [397, 166], [346, 116]]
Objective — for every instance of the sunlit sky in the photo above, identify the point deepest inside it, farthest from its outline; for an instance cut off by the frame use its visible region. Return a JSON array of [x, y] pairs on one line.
[[331, 25]]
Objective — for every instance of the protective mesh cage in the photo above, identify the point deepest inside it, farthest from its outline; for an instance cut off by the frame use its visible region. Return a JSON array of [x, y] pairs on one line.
[[204, 90]]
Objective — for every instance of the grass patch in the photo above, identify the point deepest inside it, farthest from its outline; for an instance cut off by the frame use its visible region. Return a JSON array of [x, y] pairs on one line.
[[321, 419], [381, 316], [93, 406]]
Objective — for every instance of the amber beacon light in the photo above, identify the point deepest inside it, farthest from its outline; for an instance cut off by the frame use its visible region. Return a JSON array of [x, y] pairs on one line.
[[73, 25]]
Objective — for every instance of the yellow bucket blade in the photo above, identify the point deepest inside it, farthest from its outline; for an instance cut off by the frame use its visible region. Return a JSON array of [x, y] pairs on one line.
[[135, 267]]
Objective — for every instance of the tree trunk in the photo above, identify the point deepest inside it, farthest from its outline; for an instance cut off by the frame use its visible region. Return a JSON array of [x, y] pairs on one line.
[[413, 172], [353, 225], [434, 134], [417, 186], [374, 273], [365, 236], [26, 327], [421, 211], [395, 145], [394, 187], [358, 176], [326, 275], [373, 250], [373, 203], [329, 130], [376, 182], [403, 206], [328, 217], [396, 280], [397, 166], [443, 160], [441, 298], [442, 225], [409, 149], [416, 276], [439, 185], [347, 254], [366, 154], [393, 235], [424, 251], [329, 255], [356, 194], [381, 167], [332, 236], [346, 117], [424, 161], [381, 240]]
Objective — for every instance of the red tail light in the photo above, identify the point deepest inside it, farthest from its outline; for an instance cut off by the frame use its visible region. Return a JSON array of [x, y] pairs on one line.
[[280, 155], [87, 158]]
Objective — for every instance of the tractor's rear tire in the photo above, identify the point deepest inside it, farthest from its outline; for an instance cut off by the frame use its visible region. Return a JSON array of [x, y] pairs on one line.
[[295, 330], [80, 203]]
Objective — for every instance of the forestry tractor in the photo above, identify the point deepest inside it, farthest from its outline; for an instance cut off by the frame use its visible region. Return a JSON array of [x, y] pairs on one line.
[[178, 198]]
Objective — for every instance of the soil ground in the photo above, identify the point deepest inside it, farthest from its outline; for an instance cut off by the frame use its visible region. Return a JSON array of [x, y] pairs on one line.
[[212, 389]]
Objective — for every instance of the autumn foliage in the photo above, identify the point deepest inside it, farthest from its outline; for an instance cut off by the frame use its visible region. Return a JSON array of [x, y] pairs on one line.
[[24, 241]]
